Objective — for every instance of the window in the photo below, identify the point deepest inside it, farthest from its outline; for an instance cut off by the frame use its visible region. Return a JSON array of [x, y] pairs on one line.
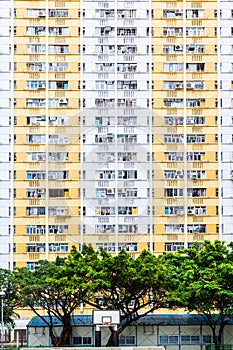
[[127, 339], [127, 174], [36, 67], [82, 340], [173, 67], [58, 247], [35, 156], [173, 247], [58, 211], [35, 247], [35, 229], [195, 156], [172, 13], [36, 193], [36, 48], [196, 192], [128, 228], [177, 138], [106, 229], [195, 67], [207, 339], [195, 13], [31, 265], [36, 13], [174, 210], [196, 210], [58, 49], [196, 228], [35, 139], [173, 192], [35, 211], [173, 102], [58, 175], [127, 138], [194, 31], [190, 339], [173, 120], [35, 103], [58, 13], [56, 31], [58, 229], [58, 192], [195, 138], [35, 30], [38, 120], [175, 49], [58, 156], [173, 228], [172, 31], [173, 174], [58, 85]]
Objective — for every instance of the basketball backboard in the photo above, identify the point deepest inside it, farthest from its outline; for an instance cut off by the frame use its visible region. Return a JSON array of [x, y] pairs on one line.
[[105, 317]]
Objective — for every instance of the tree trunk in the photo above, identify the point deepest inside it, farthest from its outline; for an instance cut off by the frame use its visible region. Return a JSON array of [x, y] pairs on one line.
[[217, 338], [66, 332], [52, 336]]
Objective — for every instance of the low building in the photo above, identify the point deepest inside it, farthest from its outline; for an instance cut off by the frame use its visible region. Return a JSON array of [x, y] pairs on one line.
[[174, 331]]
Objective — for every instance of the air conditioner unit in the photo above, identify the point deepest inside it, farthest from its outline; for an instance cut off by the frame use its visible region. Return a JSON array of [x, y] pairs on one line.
[[189, 86], [191, 211], [178, 48], [41, 14], [41, 86], [180, 212], [62, 100], [110, 191], [179, 85], [190, 121]]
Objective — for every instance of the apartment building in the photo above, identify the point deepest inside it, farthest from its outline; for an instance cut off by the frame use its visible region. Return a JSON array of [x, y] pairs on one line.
[[116, 126]]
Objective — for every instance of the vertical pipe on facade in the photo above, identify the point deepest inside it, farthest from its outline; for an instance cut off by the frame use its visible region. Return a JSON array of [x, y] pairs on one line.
[[115, 131], [81, 241], [219, 120], [185, 127], [47, 128], [150, 125], [12, 132]]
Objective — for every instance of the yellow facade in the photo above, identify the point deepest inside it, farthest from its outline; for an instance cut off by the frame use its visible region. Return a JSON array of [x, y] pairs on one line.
[[47, 145], [180, 112], [48, 150]]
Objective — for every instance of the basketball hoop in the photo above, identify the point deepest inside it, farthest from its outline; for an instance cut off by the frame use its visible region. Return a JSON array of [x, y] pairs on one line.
[[106, 318]]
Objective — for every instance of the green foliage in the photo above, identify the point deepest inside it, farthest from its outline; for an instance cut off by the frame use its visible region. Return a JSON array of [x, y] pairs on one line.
[[201, 280], [55, 288], [11, 298], [133, 286]]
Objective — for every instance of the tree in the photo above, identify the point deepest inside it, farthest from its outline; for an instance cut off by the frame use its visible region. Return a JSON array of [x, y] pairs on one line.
[[11, 296], [135, 287], [201, 280], [54, 287]]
